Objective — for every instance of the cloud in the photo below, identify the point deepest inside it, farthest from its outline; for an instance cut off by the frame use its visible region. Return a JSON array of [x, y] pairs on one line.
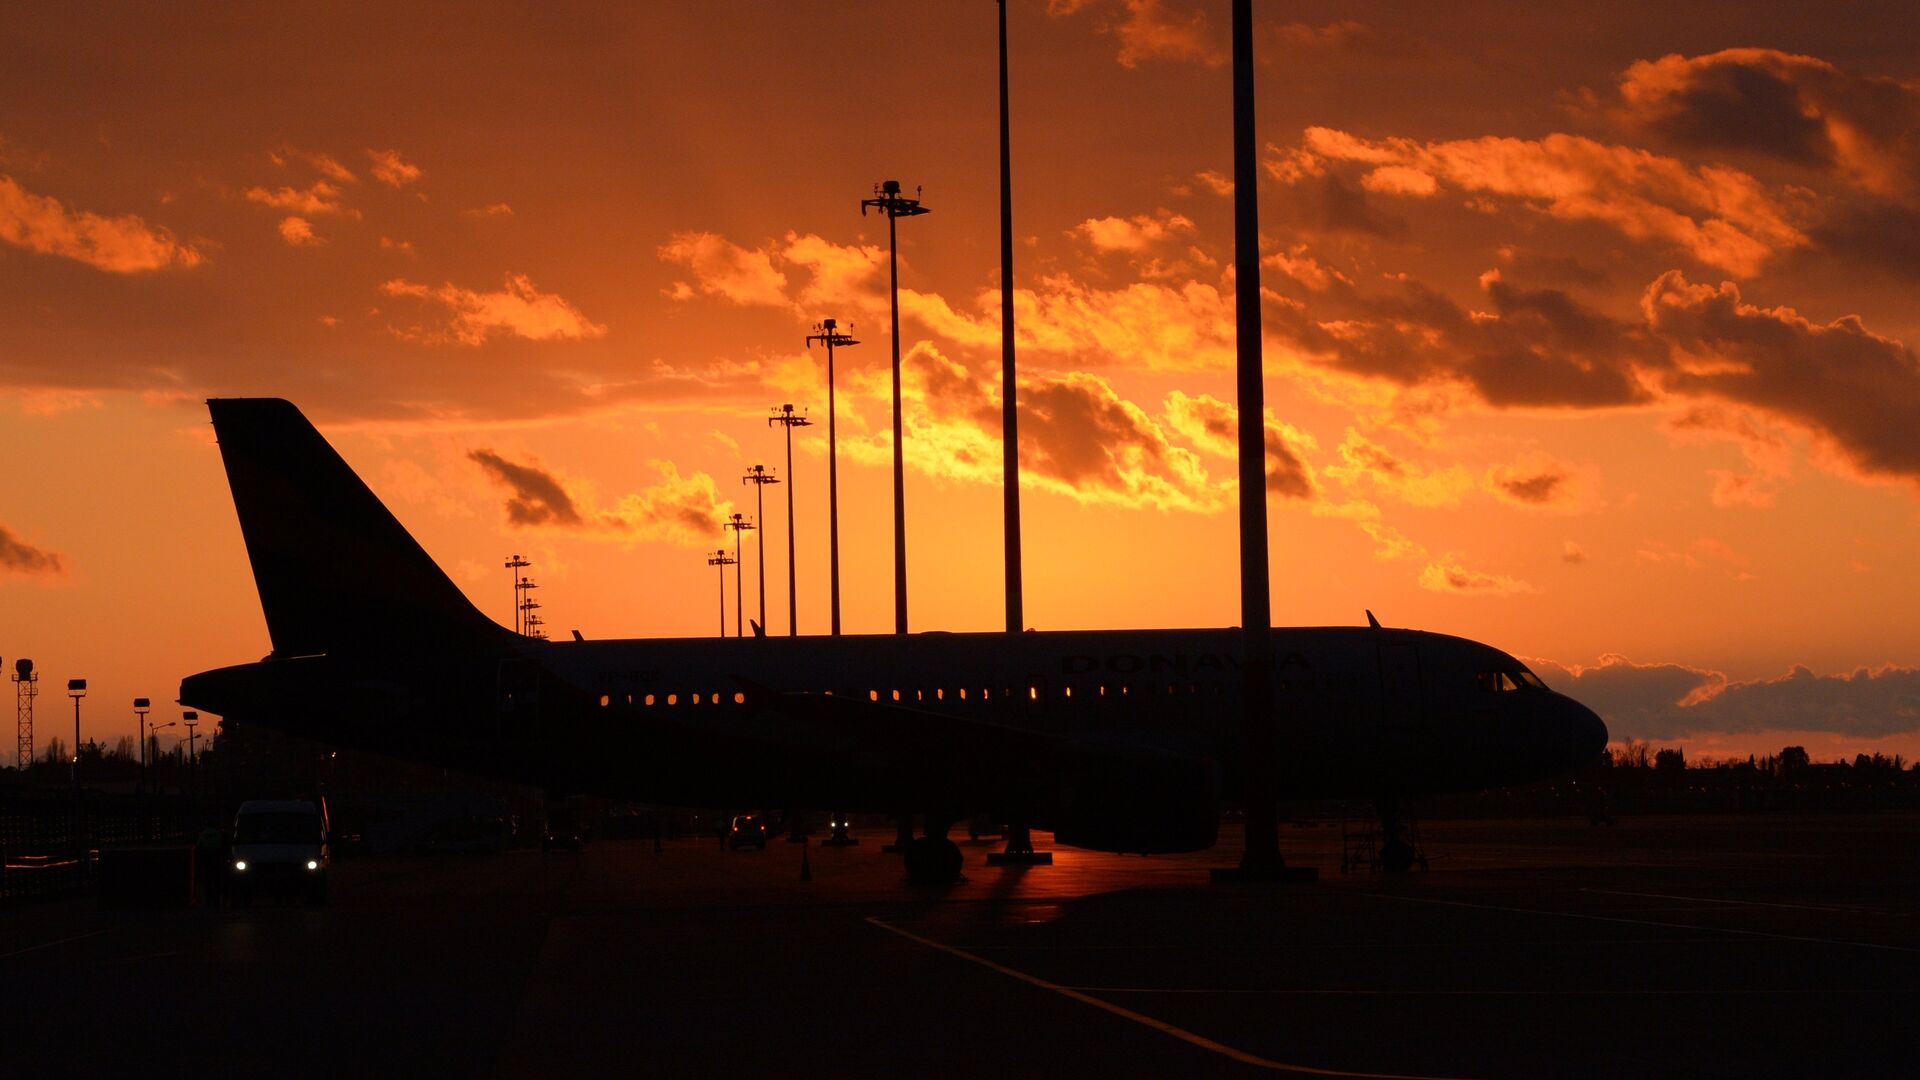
[[1135, 234], [320, 197], [1863, 129], [1214, 426], [682, 510], [19, 557], [517, 309], [1449, 576], [298, 232], [1573, 553], [390, 169], [727, 270], [1768, 453], [1365, 463], [1535, 348], [1218, 183], [1160, 30], [1302, 267], [1857, 390], [324, 164], [535, 496], [1341, 207], [121, 245], [1719, 215], [1078, 437], [491, 210], [1664, 700]]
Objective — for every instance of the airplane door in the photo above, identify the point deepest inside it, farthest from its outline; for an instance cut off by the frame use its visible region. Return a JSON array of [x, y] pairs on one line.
[[1399, 682]]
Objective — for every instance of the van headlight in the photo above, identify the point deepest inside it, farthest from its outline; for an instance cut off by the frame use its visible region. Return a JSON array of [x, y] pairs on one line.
[[239, 864], [313, 864]]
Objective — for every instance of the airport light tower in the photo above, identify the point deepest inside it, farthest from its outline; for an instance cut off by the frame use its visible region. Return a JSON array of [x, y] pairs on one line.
[[722, 560], [515, 564], [141, 706], [26, 686], [787, 418], [759, 477], [739, 524], [888, 200], [829, 335]]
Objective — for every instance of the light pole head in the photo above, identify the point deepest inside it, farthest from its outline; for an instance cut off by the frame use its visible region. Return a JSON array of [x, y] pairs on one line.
[[141, 705], [22, 669], [189, 716], [76, 688]]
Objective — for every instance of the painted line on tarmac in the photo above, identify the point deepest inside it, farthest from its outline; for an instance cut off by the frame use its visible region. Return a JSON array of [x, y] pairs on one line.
[[51, 944], [1161, 1026], [1744, 903], [1644, 922], [1259, 992]]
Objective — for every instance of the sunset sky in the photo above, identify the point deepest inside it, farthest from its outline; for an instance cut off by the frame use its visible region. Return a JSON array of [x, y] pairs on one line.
[[1590, 337]]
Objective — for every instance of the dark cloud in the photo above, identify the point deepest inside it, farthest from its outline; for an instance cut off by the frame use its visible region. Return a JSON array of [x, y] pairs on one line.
[[1876, 232], [1665, 701], [1864, 129], [20, 557], [1539, 488], [1542, 348], [1345, 208], [1858, 389], [535, 496]]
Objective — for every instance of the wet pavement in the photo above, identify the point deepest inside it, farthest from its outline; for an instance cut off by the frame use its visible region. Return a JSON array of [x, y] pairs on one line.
[[1699, 946]]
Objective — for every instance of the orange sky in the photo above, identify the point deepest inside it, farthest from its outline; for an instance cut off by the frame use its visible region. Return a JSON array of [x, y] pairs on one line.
[[1587, 337]]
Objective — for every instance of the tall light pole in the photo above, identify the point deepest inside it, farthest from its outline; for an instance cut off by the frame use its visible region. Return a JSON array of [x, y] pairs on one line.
[[1260, 856], [76, 689], [759, 477], [829, 335], [1009, 414], [888, 200], [153, 735], [190, 718], [722, 560], [140, 708], [787, 418], [739, 524], [516, 564]]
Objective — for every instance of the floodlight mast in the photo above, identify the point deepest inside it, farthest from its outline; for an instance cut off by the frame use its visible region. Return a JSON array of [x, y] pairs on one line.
[[26, 688], [888, 200], [515, 564], [1009, 412], [759, 477], [787, 418], [739, 524], [721, 560], [830, 335], [141, 706]]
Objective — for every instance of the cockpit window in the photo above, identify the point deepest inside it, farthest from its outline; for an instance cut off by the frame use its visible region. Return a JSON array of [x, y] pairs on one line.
[[1496, 682]]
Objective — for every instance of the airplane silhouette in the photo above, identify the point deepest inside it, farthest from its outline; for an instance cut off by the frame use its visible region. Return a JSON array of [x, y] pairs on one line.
[[1116, 740]]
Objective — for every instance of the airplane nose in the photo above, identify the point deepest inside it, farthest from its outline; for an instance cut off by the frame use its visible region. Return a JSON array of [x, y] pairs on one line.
[[1586, 733]]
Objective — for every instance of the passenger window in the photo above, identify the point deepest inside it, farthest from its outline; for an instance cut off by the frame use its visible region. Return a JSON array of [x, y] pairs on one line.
[[673, 699], [606, 700], [649, 699], [739, 698]]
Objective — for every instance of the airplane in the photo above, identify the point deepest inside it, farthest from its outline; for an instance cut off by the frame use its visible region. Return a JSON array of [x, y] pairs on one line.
[[1114, 740]]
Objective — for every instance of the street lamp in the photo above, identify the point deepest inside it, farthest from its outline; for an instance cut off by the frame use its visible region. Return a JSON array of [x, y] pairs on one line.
[[739, 524], [190, 718], [888, 200], [759, 477], [140, 707], [76, 689], [831, 337]]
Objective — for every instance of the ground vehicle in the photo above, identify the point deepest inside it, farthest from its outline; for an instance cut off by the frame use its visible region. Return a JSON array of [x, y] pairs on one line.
[[747, 829], [280, 846], [564, 829]]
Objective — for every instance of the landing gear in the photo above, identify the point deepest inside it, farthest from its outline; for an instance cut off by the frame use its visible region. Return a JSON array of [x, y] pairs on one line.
[[933, 860], [1019, 851], [1399, 842]]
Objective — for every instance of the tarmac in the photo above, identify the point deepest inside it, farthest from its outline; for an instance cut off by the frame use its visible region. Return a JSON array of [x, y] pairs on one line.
[[1687, 946]]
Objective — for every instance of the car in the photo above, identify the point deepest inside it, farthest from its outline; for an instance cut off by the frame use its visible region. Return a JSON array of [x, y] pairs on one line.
[[564, 830], [747, 829], [280, 846]]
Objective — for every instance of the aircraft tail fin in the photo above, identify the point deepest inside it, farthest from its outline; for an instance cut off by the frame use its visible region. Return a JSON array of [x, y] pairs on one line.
[[336, 571]]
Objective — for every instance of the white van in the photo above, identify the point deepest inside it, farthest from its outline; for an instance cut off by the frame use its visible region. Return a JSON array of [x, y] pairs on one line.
[[280, 845]]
